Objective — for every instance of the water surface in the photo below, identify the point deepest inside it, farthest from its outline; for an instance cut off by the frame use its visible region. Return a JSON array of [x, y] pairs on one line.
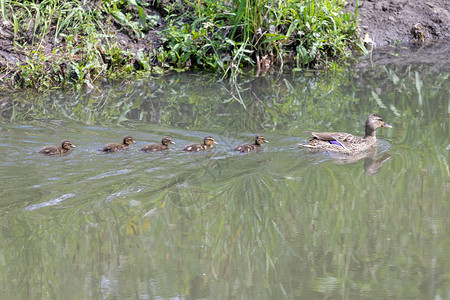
[[279, 223]]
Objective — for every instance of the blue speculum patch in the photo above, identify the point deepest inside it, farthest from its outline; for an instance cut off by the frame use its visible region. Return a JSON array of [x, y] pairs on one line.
[[335, 143]]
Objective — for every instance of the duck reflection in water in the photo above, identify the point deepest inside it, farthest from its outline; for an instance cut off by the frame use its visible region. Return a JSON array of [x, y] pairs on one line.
[[371, 164]]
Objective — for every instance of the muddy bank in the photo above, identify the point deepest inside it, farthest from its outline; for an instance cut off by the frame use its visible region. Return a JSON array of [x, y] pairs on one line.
[[420, 54], [387, 22], [403, 21]]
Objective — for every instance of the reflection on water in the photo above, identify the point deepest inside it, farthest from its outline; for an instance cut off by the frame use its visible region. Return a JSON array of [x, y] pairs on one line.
[[372, 164], [277, 223]]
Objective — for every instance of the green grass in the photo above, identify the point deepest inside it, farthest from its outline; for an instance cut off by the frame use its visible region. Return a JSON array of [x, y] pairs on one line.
[[73, 43], [69, 43], [229, 36]]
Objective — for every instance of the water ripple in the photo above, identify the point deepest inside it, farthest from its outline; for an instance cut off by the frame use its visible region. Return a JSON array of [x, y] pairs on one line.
[[52, 202], [108, 174], [123, 193]]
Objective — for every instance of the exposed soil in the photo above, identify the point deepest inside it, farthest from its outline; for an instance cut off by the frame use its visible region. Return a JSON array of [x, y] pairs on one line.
[[393, 21]]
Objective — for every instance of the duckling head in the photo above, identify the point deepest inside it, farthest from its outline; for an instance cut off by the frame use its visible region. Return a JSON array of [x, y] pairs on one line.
[[128, 140], [260, 139], [66, 144], [166, 141], [209, 141]]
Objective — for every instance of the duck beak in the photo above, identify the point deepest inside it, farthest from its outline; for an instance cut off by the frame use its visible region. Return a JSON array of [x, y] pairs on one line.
[[172, 142], [387, 125], [215, 143], [73, 146], [134, 142], [266, 141]]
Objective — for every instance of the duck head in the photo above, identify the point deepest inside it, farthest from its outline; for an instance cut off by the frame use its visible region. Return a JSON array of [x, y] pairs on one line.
[[373, 122], [260, 139], [209, 141], [66, 144], [128, 140], [166, 141]]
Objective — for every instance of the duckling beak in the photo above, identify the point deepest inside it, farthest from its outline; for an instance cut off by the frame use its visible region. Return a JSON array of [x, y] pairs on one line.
[[134, 142], [73, 146], [266, 141], [387, 125], [215, 143], [172, 142]]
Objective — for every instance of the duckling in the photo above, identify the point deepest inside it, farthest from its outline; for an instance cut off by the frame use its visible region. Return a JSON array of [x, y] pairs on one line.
[[165, 142], [52, 150], [251, 147], [113, 147], [207, 144], [345, 142]]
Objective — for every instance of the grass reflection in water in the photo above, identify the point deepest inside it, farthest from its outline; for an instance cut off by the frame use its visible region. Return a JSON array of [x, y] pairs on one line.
[[276, 223]]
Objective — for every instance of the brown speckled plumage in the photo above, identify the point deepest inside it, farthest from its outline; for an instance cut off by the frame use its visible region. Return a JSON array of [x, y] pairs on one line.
[[207, 144], [165, 142], [52, 150], [345, 142], [113, 147], [251, 147]]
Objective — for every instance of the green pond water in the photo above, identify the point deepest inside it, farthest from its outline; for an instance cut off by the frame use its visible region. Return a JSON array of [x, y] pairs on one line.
[[279, 223]]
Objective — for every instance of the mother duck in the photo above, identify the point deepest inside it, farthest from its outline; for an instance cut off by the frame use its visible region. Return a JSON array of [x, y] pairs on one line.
[[345, 142]]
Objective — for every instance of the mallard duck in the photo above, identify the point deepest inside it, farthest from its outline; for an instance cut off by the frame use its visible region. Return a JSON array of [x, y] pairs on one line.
[[207, 144], [250, 147], [52, 150], [345, 142], [165, 142], [113, 147]]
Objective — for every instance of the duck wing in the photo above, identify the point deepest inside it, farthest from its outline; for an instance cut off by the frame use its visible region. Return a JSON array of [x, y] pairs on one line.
[[194, 147], [49, 150], [112, 147], [245, 148], [324, 136], [341, 137]]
